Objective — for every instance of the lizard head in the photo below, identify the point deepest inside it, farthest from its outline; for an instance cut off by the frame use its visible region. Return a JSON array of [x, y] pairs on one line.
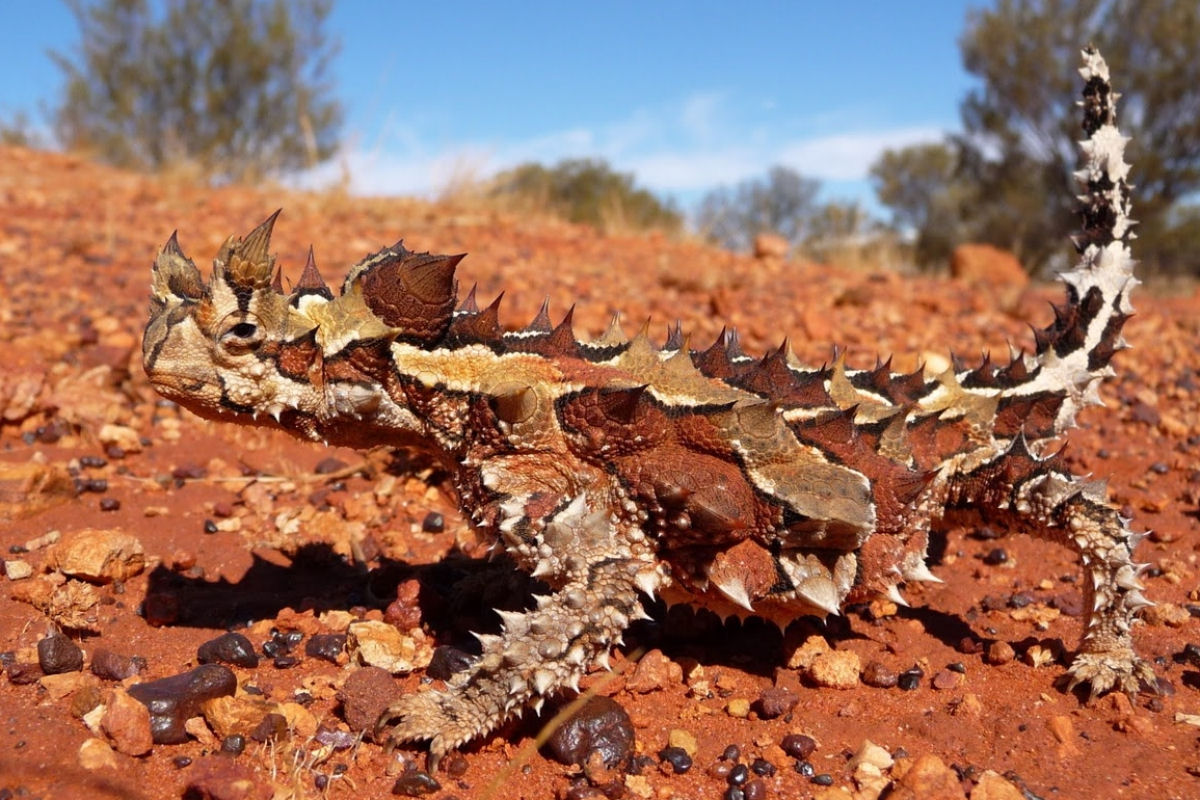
[[305, 359], [215, 347]]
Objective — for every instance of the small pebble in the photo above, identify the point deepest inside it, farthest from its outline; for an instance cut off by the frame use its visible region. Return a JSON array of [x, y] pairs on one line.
[[433, 523], [234, 743], [677, 757], [210, 526], [364, 695], [738, 707], [454, 765], [798, 746], [600, 725], [877, 675], [738, 775], [824, 779], [733, 793], [448, 660], [755, 790], [996, 557], [1000, 653], [683, 739], [326, 646], [416, 783], [110, 504], [946, 679], [910, 679], [805, 768], [329, 465], [775, 702], [1020, 599], [181, 761], [115, 667], [762, 767], [732, 753], [273, 727], [58, 654], [285, 662], [228, 648]]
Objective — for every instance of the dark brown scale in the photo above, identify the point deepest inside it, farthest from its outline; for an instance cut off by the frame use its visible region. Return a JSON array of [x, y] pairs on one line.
[[717, 360], [773, 379], [297, 358], [1034, 414], [541, 322], [311, 282], [983, 376], [1016, 373], [479, 327], [414, 292], [469, 304], [934, 440], [992, 485], [674, 337], [367, 363], [701, 498], [602, 423], [1107, 347], [557, 343]]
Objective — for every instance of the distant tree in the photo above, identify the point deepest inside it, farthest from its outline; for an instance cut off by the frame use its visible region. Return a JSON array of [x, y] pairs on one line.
[[839, 233], [236, 87], [585, 190], [922, 186], [18, 131], [1020, 122], [784, 202]]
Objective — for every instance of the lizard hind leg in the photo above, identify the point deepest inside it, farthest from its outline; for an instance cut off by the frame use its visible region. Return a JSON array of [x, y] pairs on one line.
[[1038, 496], [597, 575]]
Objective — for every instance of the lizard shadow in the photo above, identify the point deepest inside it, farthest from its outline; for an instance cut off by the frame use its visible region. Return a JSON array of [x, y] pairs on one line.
[[315, 578]]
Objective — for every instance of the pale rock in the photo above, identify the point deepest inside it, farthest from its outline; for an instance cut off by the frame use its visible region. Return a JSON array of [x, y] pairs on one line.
[[99, 555], [121, 436], [378, 644], [126, 723], [993, 786], [96, 754], [804, 655], [17, 570], [836, 669]]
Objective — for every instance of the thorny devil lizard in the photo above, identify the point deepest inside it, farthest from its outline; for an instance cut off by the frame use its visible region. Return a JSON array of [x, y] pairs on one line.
[[613, 469]]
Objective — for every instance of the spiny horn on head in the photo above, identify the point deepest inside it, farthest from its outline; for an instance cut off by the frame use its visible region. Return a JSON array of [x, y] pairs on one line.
[[246, 263], [175, 275]]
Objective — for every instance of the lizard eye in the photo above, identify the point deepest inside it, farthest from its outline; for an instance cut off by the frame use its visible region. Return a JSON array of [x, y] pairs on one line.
[[242, 337], [244, 330]]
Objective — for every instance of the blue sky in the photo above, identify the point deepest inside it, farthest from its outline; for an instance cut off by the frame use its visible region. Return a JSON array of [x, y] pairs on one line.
[[686, 95]]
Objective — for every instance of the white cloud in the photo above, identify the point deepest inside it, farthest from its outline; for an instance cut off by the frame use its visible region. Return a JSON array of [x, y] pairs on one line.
[[848, 156], [684, 147]]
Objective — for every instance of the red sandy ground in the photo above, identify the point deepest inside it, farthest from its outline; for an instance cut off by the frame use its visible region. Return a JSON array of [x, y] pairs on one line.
[[76, 243]]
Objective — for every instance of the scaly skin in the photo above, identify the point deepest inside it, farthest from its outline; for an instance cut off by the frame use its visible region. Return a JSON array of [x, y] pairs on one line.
[[614, 468]]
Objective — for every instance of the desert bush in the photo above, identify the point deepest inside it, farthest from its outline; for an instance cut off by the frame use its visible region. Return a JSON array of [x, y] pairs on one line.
[[583, 190], [235, 87]]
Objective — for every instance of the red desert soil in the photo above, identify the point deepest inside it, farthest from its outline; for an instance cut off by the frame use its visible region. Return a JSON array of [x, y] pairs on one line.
[[252, 530]]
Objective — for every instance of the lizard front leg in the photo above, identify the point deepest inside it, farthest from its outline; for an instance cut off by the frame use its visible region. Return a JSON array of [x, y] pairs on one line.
[[596, 568]]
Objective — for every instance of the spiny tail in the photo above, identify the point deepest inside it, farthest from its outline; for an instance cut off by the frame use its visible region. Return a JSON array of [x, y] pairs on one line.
[[1073, 353]]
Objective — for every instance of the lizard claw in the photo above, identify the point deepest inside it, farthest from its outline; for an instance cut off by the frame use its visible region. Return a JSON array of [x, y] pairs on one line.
[[1105, 672]]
